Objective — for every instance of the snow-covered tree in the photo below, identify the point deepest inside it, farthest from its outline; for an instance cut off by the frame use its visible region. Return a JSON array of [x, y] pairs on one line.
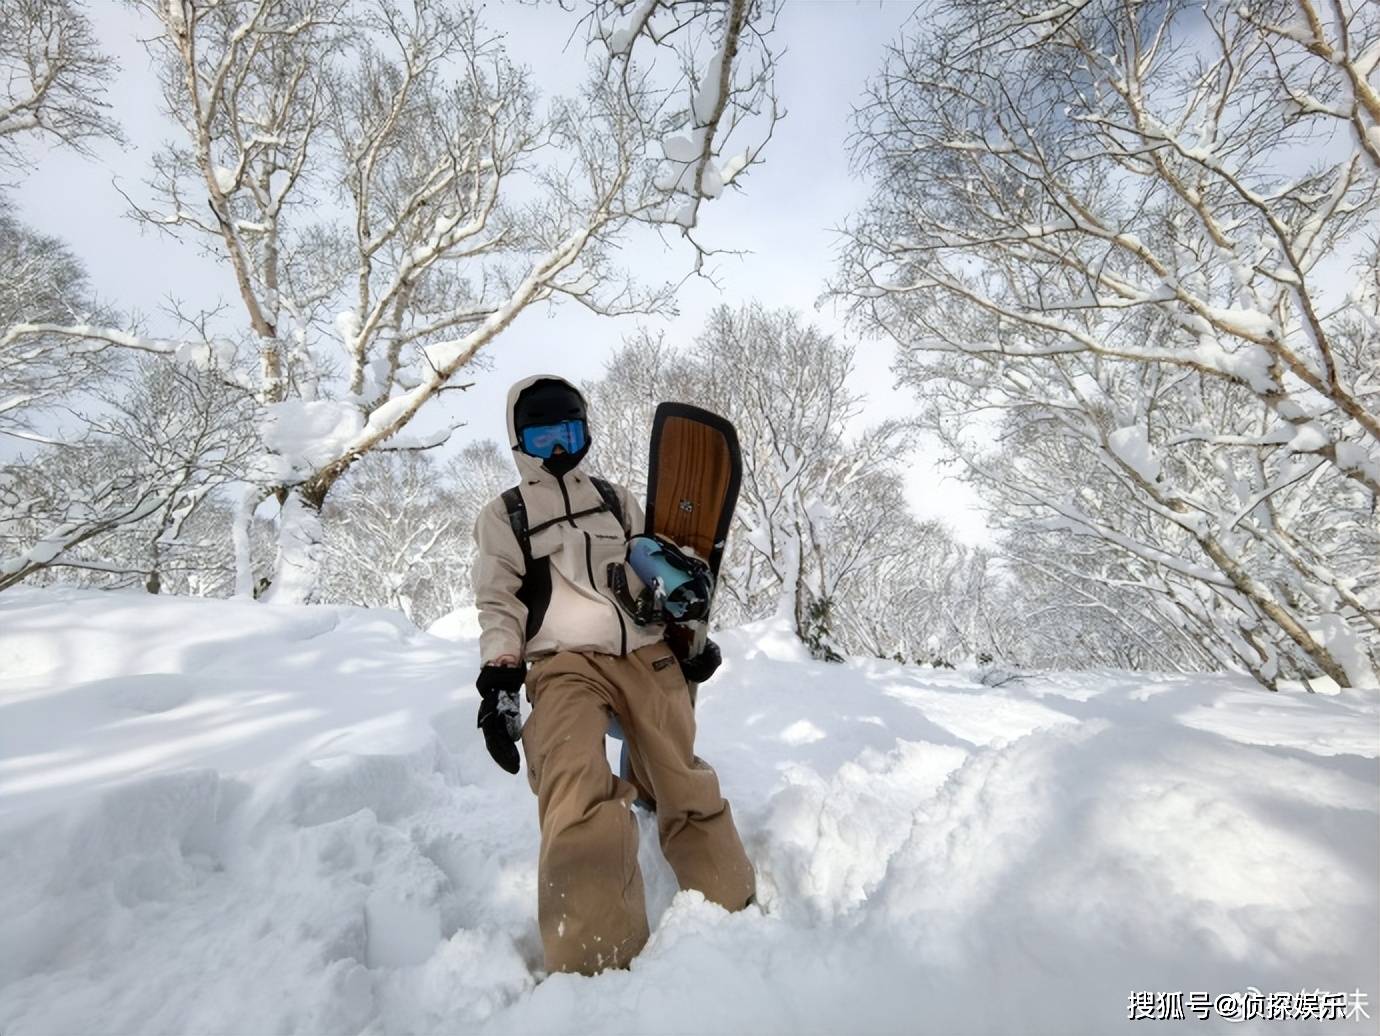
[[643, 372], [814, 494], [472, 478], [116, 499], [388, 195], [189, 423], [783, 383], [1081, 607], [43, 282], [392, 536], [400, 529], [1096, 243], [53, 78]]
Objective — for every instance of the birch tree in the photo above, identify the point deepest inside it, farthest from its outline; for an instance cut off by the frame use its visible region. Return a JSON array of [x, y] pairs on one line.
[[54, 77], [401, 529], [388, 194], [43, 281], [643, 372], [53, 80], [115, 499], [814, 491], [784, 384], [1120, 239]]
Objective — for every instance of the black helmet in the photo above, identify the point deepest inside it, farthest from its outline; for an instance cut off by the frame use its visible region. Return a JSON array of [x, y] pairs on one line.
[[547, 401]]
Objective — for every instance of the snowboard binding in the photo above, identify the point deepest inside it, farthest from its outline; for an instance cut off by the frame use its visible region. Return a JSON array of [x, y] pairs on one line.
[[677, 587]]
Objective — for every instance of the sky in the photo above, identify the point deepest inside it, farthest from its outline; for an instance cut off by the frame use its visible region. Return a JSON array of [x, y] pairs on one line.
[[783, 218]]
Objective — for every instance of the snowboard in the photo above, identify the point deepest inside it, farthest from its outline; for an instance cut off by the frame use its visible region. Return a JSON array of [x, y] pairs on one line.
[[694, 471], [693, 475]]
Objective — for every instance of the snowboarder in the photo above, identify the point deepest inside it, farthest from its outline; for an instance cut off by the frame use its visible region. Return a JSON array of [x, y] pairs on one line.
[[547, 617]]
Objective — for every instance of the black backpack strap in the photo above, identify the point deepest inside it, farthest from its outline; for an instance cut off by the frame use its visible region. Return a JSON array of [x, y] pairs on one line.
[[535, 590], [611, 501], [517, 513], [517, 518]]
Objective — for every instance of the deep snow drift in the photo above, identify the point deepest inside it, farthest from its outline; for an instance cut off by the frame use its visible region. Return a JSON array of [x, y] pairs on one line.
[[233, 817]]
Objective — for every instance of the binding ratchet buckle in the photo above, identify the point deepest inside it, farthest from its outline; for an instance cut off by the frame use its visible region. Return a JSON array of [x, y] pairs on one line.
[[677, 587]]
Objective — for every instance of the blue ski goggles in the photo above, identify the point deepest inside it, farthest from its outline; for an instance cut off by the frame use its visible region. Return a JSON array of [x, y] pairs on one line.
[[541, 440]]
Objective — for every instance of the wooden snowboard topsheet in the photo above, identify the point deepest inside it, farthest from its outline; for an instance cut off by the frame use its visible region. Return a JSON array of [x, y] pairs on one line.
[[692, 479]]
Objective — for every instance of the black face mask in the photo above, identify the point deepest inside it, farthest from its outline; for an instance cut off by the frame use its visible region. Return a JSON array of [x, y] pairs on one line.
[[562, 463]]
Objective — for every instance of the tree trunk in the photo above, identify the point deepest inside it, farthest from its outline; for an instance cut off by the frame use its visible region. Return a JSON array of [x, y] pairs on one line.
[[297, 572], [245, 505], [1276, 612]]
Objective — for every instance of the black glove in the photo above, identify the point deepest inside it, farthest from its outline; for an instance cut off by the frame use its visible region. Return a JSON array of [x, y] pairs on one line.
[[500, 715], [702, 666]]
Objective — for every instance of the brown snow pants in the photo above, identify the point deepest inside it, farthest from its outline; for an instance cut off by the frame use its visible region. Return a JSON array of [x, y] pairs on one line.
[[590, 906]]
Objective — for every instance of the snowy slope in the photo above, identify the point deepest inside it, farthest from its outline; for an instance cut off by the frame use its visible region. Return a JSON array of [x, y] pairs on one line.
[[232, 817]]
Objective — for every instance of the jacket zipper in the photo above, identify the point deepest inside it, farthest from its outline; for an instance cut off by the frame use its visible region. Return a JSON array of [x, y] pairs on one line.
[[589, 568], [617, 611], [560, 481]]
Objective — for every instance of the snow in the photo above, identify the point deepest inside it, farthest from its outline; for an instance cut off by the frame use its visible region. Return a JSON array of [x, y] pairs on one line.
[[707, 96], [1308, 438], [1131, 447], [213, 353], [772, 639], [680, 149], [711, 182], [93, 332], [1246, 361], [681, 179], [376, 381], [1348, 649], [461, 624], [1355, 457], [735, 165], [225, 179], [1247, 323], [306, 434], [620, 40], [347, 328], [40, 553], [389, 411], [585, 282], [218, 816], [685, 215], [299, 552]]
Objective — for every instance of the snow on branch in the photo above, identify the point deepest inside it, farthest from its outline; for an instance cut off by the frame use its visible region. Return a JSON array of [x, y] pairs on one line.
[[728, 91], [54, 78], [387, 195], [1093, 231]]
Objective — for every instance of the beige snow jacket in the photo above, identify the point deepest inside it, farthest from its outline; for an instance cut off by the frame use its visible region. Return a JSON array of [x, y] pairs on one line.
[[572, 607]]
